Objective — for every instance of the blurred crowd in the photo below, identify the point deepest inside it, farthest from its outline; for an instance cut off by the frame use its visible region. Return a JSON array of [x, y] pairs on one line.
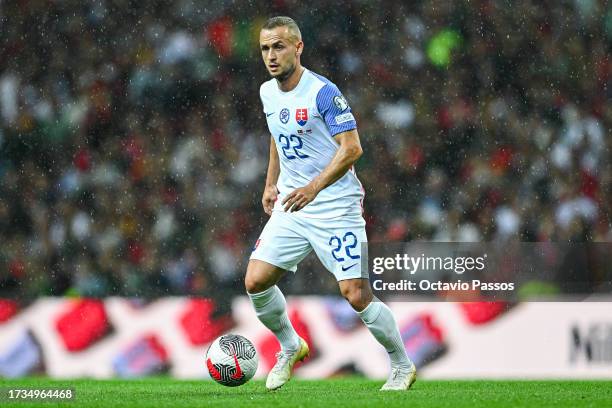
[[134, 148]]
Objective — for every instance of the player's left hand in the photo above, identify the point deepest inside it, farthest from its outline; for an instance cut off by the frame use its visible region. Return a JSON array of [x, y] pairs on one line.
[[299, 198]]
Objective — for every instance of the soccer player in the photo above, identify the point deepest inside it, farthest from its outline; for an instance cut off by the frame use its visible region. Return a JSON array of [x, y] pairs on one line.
[[314, 199]]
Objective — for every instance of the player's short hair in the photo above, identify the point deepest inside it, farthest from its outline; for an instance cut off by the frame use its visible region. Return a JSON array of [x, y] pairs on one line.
[[283, 21]]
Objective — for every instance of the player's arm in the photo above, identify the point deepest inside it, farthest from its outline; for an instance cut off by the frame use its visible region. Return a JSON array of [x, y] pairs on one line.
[[270, 190], [346, 155]]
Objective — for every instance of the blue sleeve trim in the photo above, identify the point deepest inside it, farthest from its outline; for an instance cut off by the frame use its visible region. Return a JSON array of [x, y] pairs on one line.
[[334, 110]]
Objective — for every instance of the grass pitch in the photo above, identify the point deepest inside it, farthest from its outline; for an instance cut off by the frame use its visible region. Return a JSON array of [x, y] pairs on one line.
[[341, 392]]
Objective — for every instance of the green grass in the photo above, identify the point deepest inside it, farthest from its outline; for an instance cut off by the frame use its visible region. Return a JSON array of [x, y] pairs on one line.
[[341, 392]]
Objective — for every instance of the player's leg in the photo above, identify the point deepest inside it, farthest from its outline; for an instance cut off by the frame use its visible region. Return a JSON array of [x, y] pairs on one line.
[[269, 302], [279, 248], [339, 247], [379, 319], [271, 309]]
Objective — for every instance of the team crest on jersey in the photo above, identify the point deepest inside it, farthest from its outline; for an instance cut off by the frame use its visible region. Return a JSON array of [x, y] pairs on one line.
[[284, 115], [301, 116]]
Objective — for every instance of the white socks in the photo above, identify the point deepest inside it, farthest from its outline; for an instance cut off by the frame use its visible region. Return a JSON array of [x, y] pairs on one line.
[[380, 321], [271, 309]]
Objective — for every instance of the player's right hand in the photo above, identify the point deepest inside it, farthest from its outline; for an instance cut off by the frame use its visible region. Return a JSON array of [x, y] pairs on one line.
[[270, 195]]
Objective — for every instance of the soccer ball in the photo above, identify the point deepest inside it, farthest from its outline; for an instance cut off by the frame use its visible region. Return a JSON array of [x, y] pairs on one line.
[[231, 360]]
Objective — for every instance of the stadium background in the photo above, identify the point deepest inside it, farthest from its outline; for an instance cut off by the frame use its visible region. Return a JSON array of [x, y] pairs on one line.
[[133, 154]]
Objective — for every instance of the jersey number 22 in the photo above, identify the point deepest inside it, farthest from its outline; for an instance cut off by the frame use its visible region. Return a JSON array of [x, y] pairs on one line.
[[292, 142]]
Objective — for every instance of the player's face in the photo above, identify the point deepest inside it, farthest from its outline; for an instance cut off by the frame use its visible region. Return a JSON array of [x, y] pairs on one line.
[[279, 51]]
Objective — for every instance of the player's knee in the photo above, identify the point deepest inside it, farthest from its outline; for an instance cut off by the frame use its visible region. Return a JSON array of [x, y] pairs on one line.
[[253, 285], [255, 281], [359, 302], [261, 276], [357, 296]]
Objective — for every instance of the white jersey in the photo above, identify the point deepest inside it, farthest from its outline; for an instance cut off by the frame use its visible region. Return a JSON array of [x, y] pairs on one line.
[[303, 123]]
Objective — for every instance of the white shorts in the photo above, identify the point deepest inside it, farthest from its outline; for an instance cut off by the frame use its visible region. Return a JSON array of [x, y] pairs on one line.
[[338, 242]]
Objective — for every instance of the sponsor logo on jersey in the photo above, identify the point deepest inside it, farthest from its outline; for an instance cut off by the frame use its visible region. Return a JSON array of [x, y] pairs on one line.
[[304, 132], [284, 115], [301, 116], [344, 269], [340, 102], [345, 117]]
